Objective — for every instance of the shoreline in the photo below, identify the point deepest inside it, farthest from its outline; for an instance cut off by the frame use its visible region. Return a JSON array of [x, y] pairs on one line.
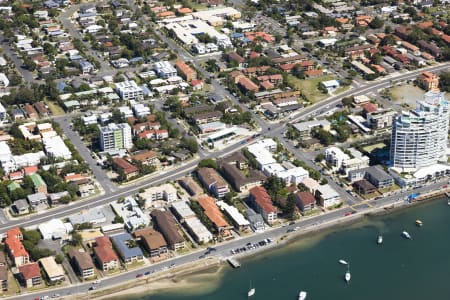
[[216, 265]]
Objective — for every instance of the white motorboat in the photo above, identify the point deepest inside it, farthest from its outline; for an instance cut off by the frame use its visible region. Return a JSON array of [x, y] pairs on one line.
[[380, 239], [348, 276], [419, 223], [341, 261], [406, 235], [251, 292], [302, 295]]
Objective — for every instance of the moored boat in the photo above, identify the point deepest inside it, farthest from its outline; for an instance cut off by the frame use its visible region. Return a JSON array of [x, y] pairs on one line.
[[348, 276], [406, 235], [302, 295], [341, 261], [419, 223], [380, 239]]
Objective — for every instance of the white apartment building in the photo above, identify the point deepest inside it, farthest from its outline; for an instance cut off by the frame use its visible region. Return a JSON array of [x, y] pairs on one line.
[[327, 196], [419, 137], [129, 90], [115, 137], [164, 69], [335, 157], [141, 110], [55, 147], [166, 192]]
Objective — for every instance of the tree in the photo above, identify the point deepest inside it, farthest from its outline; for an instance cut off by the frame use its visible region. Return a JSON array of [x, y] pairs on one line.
[[208, 163], [76, 239], [118, 219], [190, 144], [376, 23], [33, 236], [444, 81], [347, 101], [319, 157], [290, 206], [59, 259]]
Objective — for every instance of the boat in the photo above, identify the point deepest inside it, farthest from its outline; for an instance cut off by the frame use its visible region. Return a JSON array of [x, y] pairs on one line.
[[419, 223], [341, 261], [302, 295], [448, 202], [251, 291], [348, 276], [406, 235], [380, 239]]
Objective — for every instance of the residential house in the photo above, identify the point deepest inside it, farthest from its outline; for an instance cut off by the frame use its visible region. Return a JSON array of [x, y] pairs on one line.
[[125, 247], [129, 170], [165, 223], [305, 201], [153, 241], [207, 117], [39, 185], [213, 182], [30, 111], [255, 219], [236, 59], [104, 254], [21, 207], [262, 203], [82, 263], [37, 201], [30, 275]]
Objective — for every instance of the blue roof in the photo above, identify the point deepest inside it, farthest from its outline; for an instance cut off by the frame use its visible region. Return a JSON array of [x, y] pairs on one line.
[[120, 243], [236, 35], [50, 4], [145, 90], [60, 86], [136, 59]]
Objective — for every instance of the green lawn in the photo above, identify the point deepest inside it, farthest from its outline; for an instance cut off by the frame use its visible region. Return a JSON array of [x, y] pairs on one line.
[[55, 108], [370, 148], [308, 87]]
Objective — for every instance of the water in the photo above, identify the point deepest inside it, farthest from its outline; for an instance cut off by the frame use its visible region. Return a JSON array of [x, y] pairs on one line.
[[397, 269]]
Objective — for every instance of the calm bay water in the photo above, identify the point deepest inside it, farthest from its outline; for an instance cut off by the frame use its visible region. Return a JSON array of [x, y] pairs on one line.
[[397, 269]]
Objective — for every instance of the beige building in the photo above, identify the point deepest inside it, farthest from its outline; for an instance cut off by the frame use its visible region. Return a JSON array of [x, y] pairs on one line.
[[54, 271]]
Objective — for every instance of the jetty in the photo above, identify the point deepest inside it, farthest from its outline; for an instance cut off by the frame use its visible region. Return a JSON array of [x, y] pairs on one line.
[[233, 262]]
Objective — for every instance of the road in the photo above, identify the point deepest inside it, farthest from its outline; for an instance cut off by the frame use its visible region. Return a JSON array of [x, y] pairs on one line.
[[66, 21], [224, 250], [13, 55]]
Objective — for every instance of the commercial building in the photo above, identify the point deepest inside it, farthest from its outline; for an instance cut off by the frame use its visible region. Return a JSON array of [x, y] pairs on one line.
[[129, 90], [93, 215], [165, 223], [104, 254], [54, 229], [131, 213], [419, 137], [127, 252], [115, 137], [304, 128], [82, 263], [54, 271], [262, 203], [213, 182]]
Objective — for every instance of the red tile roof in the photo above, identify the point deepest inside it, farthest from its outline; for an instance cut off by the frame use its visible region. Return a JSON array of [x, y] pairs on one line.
[[104, 250], [30, 170], [30, 271], [248, 84], [212, 211], [125, 166], [262, 198], [370, 107], [306, 198]]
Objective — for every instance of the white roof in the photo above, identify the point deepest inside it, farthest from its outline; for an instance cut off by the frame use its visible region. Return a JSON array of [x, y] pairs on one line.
[[4, 149], [430, 170], [327, 191], [183, 209], [54, 228], [198, 229], [234, 213], [294, 172], [56, 147], [272, 169]]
